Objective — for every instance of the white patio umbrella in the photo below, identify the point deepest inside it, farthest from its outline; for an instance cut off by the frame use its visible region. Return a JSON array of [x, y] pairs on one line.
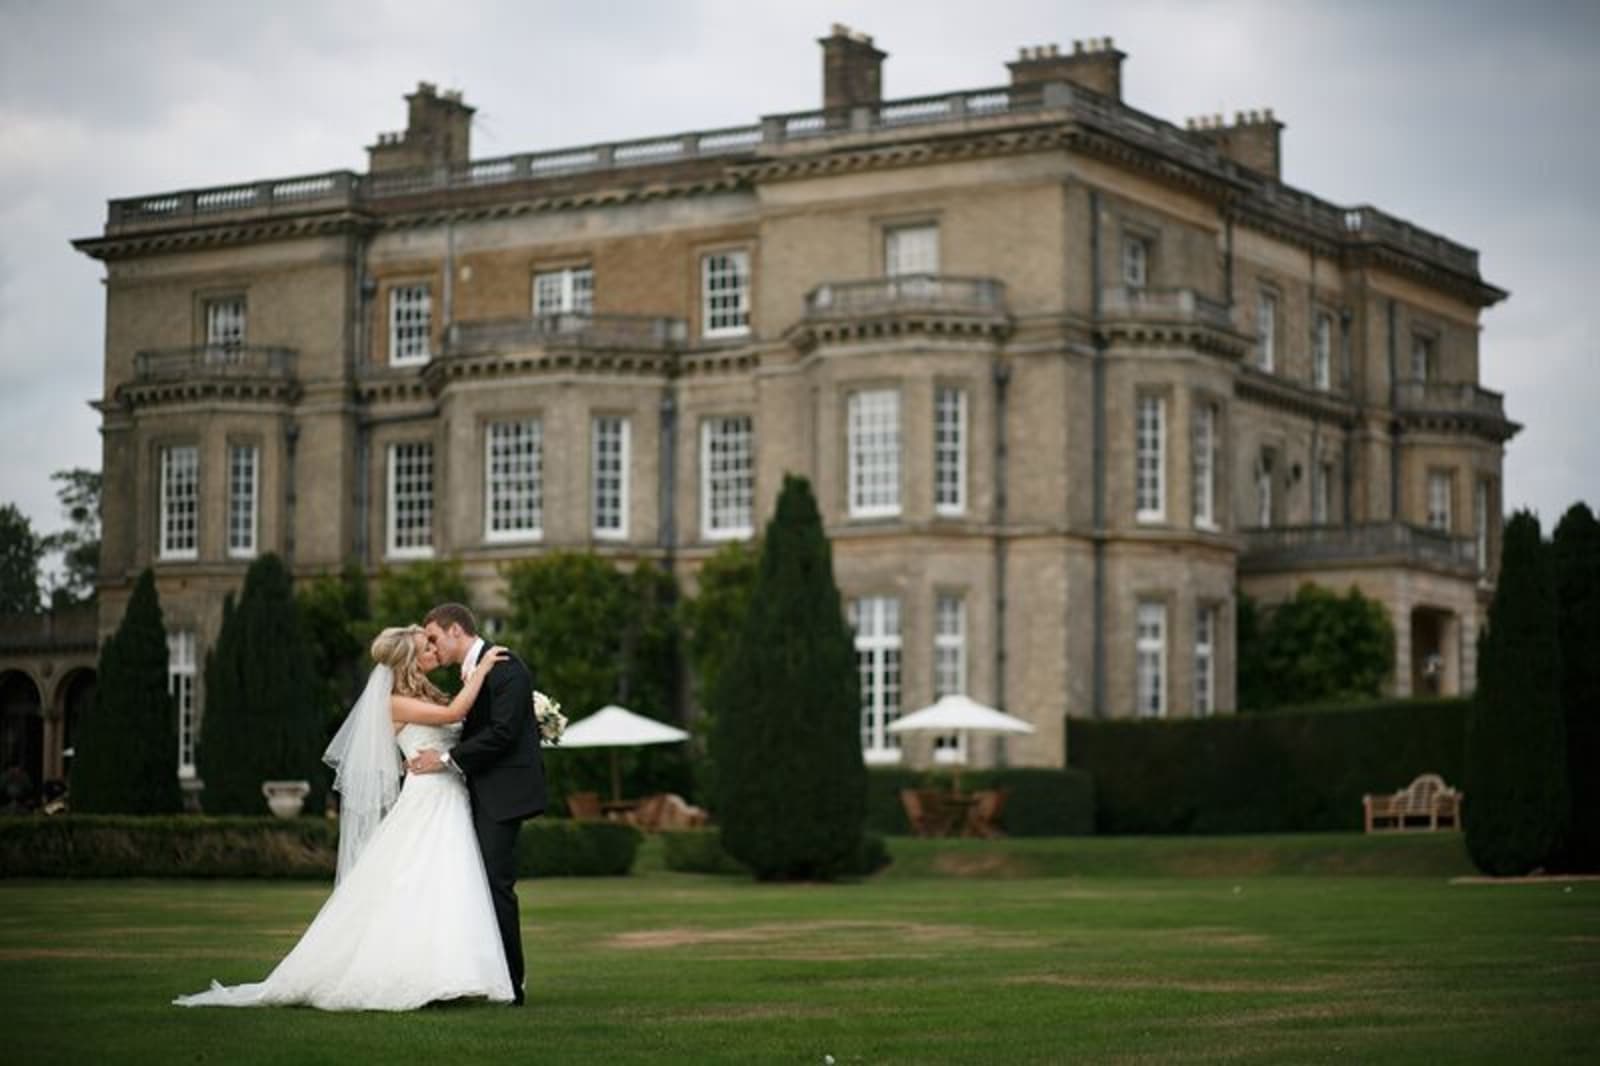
[[617, 727], [960, 714]]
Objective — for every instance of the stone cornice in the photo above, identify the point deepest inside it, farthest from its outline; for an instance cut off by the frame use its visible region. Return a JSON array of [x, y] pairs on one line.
[[276, 391], [868, 327], [1285, 395], [223, 234]]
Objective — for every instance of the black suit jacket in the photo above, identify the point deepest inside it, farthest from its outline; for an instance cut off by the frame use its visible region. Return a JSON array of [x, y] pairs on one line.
[[499, 747]]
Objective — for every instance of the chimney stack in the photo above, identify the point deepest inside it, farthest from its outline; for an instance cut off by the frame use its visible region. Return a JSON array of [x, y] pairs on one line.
[[438, 133], [1094, 64], [1254, 141], [852, 69]]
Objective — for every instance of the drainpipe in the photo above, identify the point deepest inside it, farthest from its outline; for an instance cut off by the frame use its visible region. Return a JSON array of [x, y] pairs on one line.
[[1001, 375], [365, 289], [1394, 420], [1098, 377]]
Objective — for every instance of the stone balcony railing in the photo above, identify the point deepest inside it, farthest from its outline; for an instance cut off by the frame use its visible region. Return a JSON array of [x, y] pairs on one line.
[[1289, 547], [625, 332], [66, 628], [935, 293], [1123, 301], [1449, 398], [211, 361]]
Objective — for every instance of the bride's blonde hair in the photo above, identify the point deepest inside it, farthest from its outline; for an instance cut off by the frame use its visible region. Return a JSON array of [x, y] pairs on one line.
[[396, 648]]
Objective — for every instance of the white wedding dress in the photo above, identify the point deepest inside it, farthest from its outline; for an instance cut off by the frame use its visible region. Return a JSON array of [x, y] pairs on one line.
[[412, 922]]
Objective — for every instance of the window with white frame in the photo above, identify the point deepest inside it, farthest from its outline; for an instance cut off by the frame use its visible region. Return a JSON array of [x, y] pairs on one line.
[[1480, 523], [514, 480], [1322, 496], [1150, 459], [608, 477], [569, 291], [1322, 352], [876, 620], [1266, 459], [180, 502], [725, 294], [1267, 328], [950, 451], [1205, 465], [1422, 362], [874, 453], [727, 477], [1439, 493], [1150, 649], [949, 668], [181, 673], [244, 478], [410, 324], [1205, 660], [410, 500], [911, 250], [225, 320], [1135, 262]]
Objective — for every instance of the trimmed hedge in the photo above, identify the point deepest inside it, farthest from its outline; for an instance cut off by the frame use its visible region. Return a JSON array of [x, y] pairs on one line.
[[84, 845], [699, 851], [1278, 772], [1043, 802]]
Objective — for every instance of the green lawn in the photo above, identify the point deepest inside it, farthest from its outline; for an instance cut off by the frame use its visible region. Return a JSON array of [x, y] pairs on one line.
[[1015, 951]]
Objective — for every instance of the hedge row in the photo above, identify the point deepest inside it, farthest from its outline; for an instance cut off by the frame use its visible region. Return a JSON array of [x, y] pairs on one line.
[[175, 846], [1042, 802], [699, 851], [1292, 771]]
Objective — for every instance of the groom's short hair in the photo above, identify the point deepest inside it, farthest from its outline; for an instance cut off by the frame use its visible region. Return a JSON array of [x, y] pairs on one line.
[[453, 614]]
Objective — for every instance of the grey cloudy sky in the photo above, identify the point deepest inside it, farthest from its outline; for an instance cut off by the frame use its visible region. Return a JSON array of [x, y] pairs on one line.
[[1476, 120]]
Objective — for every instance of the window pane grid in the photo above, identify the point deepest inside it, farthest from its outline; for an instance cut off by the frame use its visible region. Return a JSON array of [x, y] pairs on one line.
[[949, 451], [225, 323], [1480, 522], [1322, 353], [874, 453], [911, 250], [1135, 262], [1267, 329], [411, 499], [877, 623], [1205, 465], [1439, 501], [514, 462], [725, 294], [950, 669], [180, 502], [727, 476], [1150, 645], [410, 324], [1205, 630], [243, 467], [566, 291], [1149, 459], [181, 671], [609, 477]]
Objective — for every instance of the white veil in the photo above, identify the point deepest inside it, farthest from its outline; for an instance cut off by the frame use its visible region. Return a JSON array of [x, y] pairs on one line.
[[366, 764]]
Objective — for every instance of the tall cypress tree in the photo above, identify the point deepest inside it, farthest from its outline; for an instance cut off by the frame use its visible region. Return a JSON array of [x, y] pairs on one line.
[[1576, 558], [264, 715], [125, 757], [787, 707], [1516, 788]]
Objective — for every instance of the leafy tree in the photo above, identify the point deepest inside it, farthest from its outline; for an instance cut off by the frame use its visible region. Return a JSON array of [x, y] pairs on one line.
[[792, 795], [125, 757], [20, 552], [336, 614], [710, 623], [265, 719], [1516, 788], [1319, 647], [1576, 558], [593, 635], [79, 543], [402, 596]]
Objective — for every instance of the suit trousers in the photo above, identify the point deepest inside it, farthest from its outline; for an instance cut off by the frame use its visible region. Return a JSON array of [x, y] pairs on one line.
[[498, 842]]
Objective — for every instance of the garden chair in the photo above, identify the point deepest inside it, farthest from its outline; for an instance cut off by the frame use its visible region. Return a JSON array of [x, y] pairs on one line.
[[584, 806], [983, 817], [916, 814]]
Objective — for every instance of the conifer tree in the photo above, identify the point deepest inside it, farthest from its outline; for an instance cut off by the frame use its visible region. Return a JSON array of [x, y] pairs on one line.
[[1516, 789], [1576, 552], [265, 715], [125, 758], [787, 711]]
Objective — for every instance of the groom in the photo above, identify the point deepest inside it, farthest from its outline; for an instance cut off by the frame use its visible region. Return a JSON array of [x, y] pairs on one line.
[[499, 756]]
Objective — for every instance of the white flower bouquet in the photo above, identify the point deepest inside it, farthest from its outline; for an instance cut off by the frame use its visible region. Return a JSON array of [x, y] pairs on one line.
[[547, 712]]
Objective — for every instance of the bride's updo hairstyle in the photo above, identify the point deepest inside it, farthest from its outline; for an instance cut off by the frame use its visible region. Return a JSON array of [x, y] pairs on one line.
[[396, 648]]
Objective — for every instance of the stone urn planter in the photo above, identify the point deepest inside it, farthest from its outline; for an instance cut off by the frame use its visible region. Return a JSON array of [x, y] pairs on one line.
[[285, 798]]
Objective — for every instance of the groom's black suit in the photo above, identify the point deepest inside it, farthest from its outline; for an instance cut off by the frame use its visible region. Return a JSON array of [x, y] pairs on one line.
[[504, 768]]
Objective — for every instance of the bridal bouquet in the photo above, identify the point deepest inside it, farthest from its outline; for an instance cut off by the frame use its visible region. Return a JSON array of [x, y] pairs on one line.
[[547, 712]]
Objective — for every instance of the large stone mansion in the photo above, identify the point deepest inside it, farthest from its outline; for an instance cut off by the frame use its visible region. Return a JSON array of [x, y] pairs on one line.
[[1066, 378]]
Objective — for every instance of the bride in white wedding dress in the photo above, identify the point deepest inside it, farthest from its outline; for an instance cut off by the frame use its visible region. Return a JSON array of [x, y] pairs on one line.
[[410, 920]]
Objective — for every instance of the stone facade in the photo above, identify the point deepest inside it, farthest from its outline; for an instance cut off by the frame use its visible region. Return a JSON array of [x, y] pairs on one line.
[[1020, 274]]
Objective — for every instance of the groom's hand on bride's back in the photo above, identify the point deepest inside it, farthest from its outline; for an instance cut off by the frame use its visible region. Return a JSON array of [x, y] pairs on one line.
[[426, 761]]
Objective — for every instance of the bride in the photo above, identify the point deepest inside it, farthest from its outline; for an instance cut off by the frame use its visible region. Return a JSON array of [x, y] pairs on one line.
[[411, 887]]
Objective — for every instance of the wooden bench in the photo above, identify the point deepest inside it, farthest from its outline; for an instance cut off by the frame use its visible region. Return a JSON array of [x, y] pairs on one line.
[[1425, 805]]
